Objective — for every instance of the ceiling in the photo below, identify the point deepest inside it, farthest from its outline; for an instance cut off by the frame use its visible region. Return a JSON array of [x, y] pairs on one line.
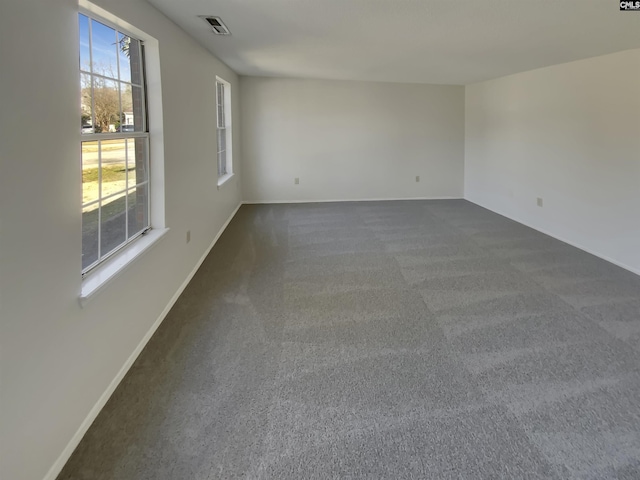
[[417, 41]]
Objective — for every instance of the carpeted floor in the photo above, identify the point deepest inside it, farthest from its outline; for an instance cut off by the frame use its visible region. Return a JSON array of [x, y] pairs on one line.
[[422, 339]]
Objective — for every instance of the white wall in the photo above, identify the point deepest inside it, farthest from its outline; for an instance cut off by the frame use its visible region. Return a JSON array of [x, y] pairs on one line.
[[350, 140], [570, 135], [58, 359]]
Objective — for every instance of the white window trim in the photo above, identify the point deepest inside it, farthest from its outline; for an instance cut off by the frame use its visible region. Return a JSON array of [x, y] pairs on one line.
[[224, 179], [118, 263], [110, 268], [229, 131]]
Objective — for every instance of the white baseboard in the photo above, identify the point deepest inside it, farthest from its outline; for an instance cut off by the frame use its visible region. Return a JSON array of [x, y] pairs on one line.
[[557, 237], [264, 202], [57, 467]]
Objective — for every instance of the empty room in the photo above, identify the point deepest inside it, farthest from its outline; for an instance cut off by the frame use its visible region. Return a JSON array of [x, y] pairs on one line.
[[319, 239]]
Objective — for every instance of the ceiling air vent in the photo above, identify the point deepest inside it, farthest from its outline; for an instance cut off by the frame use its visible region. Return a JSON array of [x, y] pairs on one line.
[[218, 26]]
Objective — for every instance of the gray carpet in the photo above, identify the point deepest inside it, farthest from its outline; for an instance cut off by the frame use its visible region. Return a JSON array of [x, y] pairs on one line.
[[422, 339]]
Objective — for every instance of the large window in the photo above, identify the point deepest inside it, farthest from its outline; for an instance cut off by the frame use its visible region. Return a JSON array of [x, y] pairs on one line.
[[115, 140], [223, 100]]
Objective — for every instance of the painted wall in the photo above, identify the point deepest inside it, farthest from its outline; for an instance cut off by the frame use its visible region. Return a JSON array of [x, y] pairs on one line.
[[57, 358], [569, 135], [350, 140]]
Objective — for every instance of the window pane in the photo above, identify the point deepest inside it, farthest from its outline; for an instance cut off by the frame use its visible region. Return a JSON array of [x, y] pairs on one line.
[[85, 103], [133, 61], [112, 223], [114, 173], [138, 209], [140, 159], [85, 59], [138, 108], [222, 164], [106, 104], [89, 235], [126, 116], [104, 50], [220, 117], [222, 140], [125, 44], [131, 163], [90, 185], [132, 112], [222, 153], [220, 104]]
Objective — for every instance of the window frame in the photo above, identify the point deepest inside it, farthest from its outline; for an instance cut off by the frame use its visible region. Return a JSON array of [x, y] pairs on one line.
[[113, 265], [226, 128], [106, 136]]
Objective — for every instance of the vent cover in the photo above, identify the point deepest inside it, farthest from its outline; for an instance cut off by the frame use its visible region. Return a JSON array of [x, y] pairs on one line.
[[217, 25]]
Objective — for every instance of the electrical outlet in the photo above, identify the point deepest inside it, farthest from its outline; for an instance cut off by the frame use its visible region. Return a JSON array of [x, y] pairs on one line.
[[296, 181], [188, 236], [417, 178], [540, 202]]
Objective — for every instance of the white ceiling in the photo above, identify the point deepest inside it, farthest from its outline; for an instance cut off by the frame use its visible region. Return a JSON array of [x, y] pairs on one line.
[[417, 41]]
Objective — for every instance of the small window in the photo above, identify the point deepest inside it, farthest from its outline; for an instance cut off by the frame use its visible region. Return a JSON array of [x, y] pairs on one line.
[[114, 140], [224, 138]]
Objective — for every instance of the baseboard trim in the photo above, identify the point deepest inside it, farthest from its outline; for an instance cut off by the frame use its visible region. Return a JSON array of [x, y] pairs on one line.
[[266, 202], [557, 237], [59, 464]]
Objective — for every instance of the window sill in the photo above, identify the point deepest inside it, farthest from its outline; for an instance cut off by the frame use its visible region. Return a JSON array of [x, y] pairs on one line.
[[224, 179], [118, 263]]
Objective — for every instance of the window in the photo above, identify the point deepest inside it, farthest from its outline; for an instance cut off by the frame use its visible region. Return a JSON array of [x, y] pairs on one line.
[[223, 100], [114, 140]]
